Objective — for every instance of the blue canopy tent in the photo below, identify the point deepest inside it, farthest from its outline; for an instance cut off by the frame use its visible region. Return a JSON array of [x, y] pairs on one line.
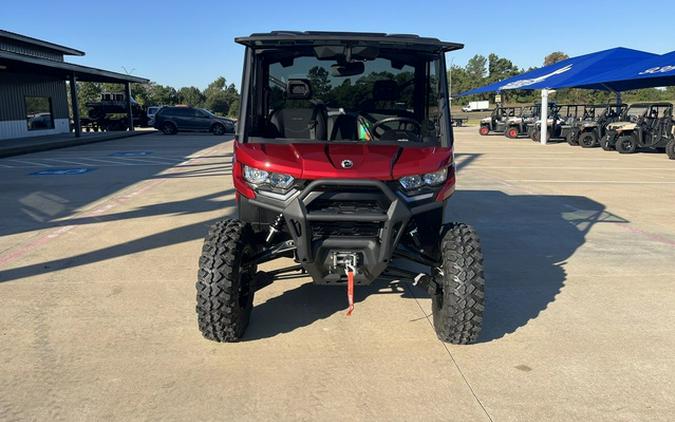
[[566, 73], [648, 73]]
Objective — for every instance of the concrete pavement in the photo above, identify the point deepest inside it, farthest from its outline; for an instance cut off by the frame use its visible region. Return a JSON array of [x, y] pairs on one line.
[[97, 273]]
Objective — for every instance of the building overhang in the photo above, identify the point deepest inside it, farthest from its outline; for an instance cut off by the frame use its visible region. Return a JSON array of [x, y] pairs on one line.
[[13, 62]]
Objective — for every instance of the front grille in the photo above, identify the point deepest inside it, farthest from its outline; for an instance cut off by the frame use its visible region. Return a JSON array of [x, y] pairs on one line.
[[344, 229], [346, 207]]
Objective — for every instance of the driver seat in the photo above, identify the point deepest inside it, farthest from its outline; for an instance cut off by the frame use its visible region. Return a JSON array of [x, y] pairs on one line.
[[300, 122]]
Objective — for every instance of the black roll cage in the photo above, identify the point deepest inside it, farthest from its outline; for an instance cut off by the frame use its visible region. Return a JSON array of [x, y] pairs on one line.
[[254, 79]]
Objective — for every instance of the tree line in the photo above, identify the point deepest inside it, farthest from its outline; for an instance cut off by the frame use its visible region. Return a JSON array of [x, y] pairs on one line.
[[481, 70], [219, 97]]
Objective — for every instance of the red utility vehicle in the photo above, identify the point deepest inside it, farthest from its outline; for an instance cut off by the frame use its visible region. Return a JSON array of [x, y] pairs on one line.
[[343, 162]]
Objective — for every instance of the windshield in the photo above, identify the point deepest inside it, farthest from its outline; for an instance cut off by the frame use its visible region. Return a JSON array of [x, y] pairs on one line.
[[381, 96], [636, 111]]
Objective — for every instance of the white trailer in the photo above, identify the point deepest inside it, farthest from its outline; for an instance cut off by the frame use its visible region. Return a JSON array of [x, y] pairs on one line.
[[476, 106]]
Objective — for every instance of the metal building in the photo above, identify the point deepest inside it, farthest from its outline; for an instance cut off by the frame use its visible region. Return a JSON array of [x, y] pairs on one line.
[[33, 90]]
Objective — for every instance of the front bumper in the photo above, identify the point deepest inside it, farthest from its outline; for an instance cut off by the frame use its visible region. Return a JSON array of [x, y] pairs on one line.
[[319, 224], [611, 136]]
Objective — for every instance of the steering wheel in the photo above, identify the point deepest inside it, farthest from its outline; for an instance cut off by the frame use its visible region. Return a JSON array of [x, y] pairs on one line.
[[405, 126]]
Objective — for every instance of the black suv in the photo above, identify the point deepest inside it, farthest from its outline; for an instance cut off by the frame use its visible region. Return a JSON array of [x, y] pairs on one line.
[[171, 120]]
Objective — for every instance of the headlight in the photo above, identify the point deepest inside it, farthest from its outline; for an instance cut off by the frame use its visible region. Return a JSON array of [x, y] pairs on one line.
[[428, 179], [255, 176], [261, 177], [411, 182], [434, 179]]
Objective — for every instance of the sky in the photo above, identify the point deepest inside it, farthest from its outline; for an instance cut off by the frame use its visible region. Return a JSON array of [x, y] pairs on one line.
[[191, 43]]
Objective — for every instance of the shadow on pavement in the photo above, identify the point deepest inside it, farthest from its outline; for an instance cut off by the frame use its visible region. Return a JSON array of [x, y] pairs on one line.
[[302, 306], [526, 241], [76, 193], [33, 203], [157, 240]]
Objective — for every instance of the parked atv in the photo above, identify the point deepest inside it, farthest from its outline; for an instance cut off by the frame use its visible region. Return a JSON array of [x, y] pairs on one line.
[[348, 175], [592, 128], [645, 125], [570, 115], [498, 119], [517, 126], [561, 118]]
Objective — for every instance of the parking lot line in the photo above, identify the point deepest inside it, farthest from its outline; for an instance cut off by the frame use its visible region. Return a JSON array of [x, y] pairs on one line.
[[66, 161], [614, 182], [530, 158], [575, 168], [32, 164]]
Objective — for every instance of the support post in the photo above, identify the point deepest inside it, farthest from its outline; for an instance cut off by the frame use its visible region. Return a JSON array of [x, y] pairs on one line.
[[130, 116], [618, 101], [75, 104], [544, 116]]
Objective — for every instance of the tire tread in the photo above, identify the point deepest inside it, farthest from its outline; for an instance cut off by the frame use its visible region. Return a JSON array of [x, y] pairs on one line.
[[220, 316], [458, 308]]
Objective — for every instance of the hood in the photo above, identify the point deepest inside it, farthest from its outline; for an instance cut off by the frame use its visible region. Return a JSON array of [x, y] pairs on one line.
[[486, 120], [324, 161], [621, 126], [514, 119]]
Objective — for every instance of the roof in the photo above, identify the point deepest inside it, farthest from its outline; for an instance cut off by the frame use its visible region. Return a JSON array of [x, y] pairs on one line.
[[40, 43], [20, 62], [285, 38], [656, 103], [568, 72], [652, 72]]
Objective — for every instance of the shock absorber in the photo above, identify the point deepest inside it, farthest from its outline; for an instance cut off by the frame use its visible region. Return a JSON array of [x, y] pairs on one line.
[[275, 227]]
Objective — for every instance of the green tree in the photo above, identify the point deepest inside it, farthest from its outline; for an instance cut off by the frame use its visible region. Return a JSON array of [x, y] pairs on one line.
[[318, 80], [234, 108], [87, 92], [218, 102], [191, 96], [216, 86], [500, 68], [459, 80], [162, 95], [555, 57], [221, 98], [476, 70]]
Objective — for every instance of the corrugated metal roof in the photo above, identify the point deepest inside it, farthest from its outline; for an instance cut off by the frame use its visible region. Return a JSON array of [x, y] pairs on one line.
[[41, 43]]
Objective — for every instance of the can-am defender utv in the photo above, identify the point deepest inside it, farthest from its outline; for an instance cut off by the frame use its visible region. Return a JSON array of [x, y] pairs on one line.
[[645, 125], [343, 162], [591, 128], [498, 119]]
